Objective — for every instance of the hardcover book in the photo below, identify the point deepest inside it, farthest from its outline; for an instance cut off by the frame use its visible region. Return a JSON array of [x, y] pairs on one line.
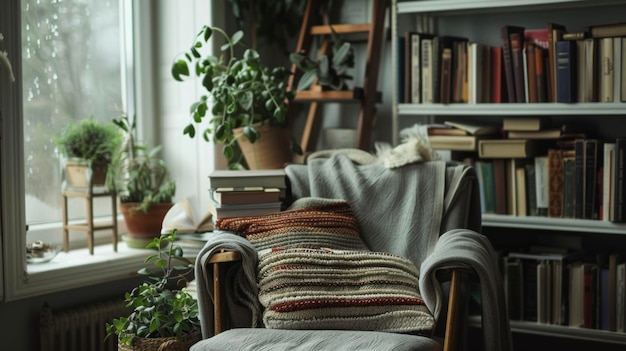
[[606, 77], [619, 193], [566, 71], [516, 41], [511, 148], [267, 178], [555, 33], [505, 34], [555, 185]]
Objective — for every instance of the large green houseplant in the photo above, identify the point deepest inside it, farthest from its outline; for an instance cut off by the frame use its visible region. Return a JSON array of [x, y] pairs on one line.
[[245, 98], [143, 183], [88, 147], [163, 316]]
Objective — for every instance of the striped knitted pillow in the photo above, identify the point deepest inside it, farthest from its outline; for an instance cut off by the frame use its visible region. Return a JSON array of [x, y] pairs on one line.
[[331, 289], [316, 273], [323, 223]]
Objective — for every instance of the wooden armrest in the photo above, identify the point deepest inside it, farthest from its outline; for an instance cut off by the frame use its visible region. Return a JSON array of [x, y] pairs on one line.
[[219, 261], [451, 339]]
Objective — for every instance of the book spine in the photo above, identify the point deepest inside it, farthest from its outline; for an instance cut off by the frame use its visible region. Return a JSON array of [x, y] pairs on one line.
[[591, 169], [416, 84], [408, 61], [619, 193], [617, 69], [505, 32], [555, 187], [446, 79], [607, 181], [542, 185], [569, 187], [555, 33], [497, 75], [489, 187], [499, 172], [401, 71], [566, 71], [623, 75], [532, 189], [532, 72], [517, 59], [427, 70], [438, 56], [606, 70], [579, 173]]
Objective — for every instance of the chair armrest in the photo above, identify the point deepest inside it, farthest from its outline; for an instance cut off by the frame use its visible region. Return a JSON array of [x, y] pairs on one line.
[[456, 300], [219, 262]]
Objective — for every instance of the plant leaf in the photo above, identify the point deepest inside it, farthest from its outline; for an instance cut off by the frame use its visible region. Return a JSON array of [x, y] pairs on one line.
[[306, 80], [246, 99], [180, 68]]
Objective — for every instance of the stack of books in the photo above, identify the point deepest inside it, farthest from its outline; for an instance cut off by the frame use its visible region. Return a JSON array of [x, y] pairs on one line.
[[456, 136], [239, 193]]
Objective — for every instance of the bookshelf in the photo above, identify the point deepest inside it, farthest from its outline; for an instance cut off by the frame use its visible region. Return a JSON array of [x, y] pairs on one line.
[[481, 20]]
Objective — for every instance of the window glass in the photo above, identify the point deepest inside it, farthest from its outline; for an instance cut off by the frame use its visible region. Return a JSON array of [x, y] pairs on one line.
[[72, 69]]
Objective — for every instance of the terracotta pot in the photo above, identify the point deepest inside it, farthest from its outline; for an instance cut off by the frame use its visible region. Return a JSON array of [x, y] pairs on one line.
[[142, 225], [270, 151], [182, 343], [78, 173]]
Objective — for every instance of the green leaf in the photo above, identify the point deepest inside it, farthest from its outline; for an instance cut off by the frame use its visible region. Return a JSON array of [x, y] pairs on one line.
[[251, 55], [306, 80], [207, 33], [228, 151], [195, 52], [341, 54], [236, 37], [246, 99], [220, 132], [251, 134], [180, 68], [161, 263], [190, 130]]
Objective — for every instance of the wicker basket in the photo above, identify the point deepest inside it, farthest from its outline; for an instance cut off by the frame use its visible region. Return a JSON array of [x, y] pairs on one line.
[[182, 343]]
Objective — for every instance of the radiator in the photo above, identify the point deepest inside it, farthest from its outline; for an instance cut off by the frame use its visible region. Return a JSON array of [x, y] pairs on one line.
[[80, 328]]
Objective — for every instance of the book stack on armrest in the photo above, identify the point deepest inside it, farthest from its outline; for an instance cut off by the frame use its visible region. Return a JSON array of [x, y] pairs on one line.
[[239, 193]]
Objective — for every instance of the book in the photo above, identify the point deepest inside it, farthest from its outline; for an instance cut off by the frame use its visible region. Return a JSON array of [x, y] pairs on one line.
[[498, 92], [590, 209], [608, 181], [569, 186], [446, 76], [400, 68], [537, 37], [185, 219], [444, 129], [555, 33], [246, 210], [441, 44], [458, 82], [521, 191], [579, 176], [408, 64], [246, 195], [617, 69], [505, 35], [555, 183], [606, 76], [511, 148], [475, 129], [513, 282], [453, 142], [531, 194], [415, 72], [607, 30], [267, 178], [484, 173], [516, 40], [566, 71], [540, 73], [542, 188], [523, 124], [614, 259], [586, 70], [619, 192], [532, 72], [552, 133], [427, 70], [499, 172], [622, 63], [620, 303]]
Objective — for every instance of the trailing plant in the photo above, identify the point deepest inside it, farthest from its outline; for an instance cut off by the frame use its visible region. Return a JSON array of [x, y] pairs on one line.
[[89, 140], [330, 70], [159, 311], [242, 92], [137, 173]]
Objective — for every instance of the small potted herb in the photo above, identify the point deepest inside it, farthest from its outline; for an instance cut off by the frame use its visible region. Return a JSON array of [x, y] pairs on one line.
[[88, 147], [163, 318]]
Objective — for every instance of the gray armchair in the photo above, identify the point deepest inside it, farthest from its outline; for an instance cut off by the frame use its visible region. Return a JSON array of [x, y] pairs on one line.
[[427, 213]]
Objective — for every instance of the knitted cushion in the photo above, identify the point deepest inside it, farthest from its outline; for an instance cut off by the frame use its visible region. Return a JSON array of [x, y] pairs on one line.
[[331, 289], [316, 273]]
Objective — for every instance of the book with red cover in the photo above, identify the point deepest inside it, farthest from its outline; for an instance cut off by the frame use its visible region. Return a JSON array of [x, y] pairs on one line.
[[555, 186], [541, 77], [441, 43], [538, 36], [505, 35], [498, 92]]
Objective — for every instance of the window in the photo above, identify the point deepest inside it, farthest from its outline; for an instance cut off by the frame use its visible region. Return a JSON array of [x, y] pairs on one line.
[[72, 60]]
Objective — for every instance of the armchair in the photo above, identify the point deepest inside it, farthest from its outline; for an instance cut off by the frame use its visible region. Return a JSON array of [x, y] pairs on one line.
[[427, 213]]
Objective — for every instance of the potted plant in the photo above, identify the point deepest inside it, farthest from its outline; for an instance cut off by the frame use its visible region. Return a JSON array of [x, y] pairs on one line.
[[88, 147], [330, 69], [247, 101], [163, 318], [143, 184]]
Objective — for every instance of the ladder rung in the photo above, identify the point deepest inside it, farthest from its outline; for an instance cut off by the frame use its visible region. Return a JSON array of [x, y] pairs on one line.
[[354, 95], [341, 29]]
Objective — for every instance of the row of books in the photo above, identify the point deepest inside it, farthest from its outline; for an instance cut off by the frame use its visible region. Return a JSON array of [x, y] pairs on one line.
[[586, 181], [566, 289], [531, 65]]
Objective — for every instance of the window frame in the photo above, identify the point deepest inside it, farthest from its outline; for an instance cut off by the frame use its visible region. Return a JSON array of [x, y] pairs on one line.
[[18, 282]]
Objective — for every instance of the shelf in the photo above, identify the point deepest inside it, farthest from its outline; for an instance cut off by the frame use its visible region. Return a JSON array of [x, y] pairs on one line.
[[556, 224], [441, 7], [524, 327], [515, 109]]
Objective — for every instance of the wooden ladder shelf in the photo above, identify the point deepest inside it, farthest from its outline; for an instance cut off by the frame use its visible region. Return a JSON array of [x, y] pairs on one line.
[[366, 96]]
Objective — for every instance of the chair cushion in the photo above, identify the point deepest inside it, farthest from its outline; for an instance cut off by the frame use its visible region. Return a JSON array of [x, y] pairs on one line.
[[332, 289], [249, 339]]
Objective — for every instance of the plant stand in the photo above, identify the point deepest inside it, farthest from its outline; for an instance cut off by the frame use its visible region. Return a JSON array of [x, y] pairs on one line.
[[89, 227]]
